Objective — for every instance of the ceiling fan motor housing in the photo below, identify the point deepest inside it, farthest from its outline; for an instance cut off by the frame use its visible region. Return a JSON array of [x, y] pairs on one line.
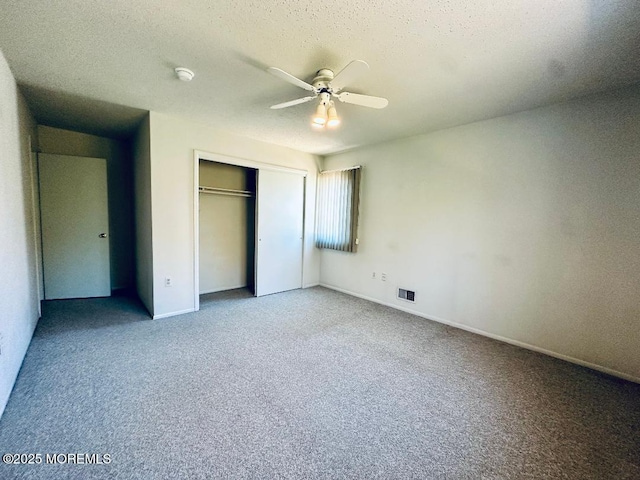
[[322, 79]]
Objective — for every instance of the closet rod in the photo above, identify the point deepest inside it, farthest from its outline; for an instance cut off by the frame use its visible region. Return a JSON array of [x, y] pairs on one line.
[[225, 191]]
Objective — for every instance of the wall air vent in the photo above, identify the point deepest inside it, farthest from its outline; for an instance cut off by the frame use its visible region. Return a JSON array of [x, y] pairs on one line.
[[408, 295]]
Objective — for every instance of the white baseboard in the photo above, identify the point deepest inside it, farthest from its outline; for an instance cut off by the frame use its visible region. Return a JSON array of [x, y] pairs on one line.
[[510, 341], [309, 285], [173, 314]]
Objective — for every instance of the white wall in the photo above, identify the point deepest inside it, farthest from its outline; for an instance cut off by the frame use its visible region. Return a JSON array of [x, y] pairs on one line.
[[18, 255], [223, 242], [173, 141], [526, 227], [142, 214], [120, 183]]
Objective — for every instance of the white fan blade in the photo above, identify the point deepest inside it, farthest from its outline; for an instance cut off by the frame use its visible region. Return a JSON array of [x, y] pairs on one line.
[[293, 102], [290, 78], [364, 100], [355, 69]]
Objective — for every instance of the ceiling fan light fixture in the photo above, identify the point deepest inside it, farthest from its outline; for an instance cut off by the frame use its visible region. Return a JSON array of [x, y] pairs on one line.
[[332, 117], [320, 117], [325, 87]]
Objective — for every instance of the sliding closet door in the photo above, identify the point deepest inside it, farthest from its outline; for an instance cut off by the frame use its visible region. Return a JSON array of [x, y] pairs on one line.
[[279, 231]]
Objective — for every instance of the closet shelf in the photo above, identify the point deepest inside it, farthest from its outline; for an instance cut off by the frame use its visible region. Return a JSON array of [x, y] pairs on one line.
[[226, 191]]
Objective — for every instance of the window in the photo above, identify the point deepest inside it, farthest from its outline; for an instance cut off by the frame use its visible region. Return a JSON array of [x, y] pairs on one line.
[[337, 210]]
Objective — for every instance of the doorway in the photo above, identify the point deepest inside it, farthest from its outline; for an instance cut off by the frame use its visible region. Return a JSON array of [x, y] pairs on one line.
[[227, 197], [249, 226]]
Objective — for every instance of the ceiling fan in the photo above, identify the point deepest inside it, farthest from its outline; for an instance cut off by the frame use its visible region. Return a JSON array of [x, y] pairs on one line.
[[326, 86]]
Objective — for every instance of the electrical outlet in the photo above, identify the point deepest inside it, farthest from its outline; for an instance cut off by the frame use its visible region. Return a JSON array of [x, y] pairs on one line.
[[383, 277], [168, 282], [373, 276]]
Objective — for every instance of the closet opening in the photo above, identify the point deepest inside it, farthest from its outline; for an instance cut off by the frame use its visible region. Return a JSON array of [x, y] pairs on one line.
[[227, 223], [248, 227]]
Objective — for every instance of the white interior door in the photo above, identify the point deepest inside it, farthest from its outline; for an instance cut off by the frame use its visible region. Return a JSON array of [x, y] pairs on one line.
[[279, 231], [75, 222]]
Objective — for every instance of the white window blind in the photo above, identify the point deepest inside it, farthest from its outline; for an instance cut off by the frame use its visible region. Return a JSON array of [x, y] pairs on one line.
[[337, 211]]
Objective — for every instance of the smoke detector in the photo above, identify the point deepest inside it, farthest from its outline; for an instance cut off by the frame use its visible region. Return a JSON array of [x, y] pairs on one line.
[[184, 74]]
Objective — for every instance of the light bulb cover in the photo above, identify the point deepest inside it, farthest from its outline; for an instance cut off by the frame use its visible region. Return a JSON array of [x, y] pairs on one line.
[[332, 116], [320, 116]]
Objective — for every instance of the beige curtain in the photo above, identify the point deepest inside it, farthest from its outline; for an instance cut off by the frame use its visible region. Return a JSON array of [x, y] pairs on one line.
[[337, 209]]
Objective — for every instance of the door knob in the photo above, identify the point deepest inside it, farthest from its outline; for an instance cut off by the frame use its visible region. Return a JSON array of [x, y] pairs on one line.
[[102, 235]]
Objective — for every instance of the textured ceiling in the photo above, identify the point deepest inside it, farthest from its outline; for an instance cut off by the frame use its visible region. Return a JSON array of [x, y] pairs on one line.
[[95, 65]]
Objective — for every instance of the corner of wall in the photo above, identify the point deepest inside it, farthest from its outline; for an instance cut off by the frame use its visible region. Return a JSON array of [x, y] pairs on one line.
[[19, 280], [142, 213]]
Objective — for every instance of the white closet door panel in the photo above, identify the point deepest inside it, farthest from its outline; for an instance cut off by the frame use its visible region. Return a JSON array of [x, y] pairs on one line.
[[279, 231], [75, 226]]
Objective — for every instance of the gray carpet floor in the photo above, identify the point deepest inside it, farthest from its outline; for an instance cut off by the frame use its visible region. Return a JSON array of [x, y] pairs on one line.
[[306, 384]]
